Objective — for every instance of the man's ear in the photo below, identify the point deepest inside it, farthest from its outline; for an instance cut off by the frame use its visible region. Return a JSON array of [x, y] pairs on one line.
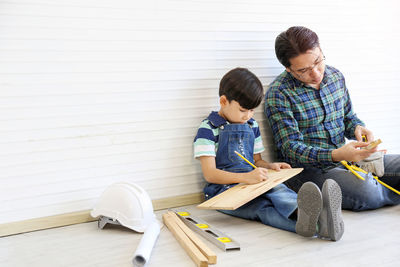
[[288, 69], [223, 101]]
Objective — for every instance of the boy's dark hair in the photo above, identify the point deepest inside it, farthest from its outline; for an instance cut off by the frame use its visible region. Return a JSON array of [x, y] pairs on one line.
[[243, 86], [293, 42]]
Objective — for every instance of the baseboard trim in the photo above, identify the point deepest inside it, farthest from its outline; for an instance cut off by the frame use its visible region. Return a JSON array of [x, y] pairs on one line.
[[36, 224]]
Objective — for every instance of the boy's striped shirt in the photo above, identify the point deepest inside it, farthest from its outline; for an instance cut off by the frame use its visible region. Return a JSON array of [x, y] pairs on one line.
[[206, 140]]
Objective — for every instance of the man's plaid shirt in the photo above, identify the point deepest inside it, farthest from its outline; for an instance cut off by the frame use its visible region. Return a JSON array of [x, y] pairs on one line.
[[307, 123]]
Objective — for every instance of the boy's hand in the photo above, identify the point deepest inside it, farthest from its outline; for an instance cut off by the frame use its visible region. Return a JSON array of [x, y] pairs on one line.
[[276, 166], [256, 176]]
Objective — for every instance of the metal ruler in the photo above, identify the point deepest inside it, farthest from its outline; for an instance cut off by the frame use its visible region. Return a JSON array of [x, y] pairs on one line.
[[210, 233]]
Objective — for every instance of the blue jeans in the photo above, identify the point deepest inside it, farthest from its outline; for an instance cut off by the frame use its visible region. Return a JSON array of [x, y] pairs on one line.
[[273, 208], [357, 194]]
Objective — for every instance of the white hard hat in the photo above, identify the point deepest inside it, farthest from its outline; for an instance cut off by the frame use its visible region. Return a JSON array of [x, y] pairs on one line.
[[126, 203]]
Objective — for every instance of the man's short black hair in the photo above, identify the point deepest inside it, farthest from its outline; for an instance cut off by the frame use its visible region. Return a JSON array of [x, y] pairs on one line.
[[243, 86], [293, 42]]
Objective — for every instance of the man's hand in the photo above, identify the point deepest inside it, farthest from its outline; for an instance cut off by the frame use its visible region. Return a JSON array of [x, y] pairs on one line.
[[278, 165], [350, 152], [256, 176], [360, 131]]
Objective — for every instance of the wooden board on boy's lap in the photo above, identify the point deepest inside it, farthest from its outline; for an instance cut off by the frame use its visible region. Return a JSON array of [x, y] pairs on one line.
[[240, 194]]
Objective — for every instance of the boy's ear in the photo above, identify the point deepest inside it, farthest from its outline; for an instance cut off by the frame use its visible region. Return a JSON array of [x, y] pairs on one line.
[[223, 100]]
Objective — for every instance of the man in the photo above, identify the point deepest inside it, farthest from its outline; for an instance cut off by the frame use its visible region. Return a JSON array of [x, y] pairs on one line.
[[310, 112]]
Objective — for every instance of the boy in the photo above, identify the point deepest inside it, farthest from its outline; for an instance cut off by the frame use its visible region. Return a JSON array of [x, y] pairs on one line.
[[233, 129]]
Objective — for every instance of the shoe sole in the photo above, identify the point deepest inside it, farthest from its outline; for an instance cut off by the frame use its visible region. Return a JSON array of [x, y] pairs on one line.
[[332, 199], [309, 202]]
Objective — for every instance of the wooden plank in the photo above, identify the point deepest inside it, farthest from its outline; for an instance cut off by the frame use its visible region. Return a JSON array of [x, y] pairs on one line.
[[83, 216], [210, 255], [240, 194], [178, 201], [45, 223], [185, 242], [374, 144]]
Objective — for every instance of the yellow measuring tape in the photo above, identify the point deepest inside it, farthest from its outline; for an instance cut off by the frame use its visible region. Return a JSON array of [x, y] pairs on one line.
[[376, 178], [354, 170], [350, 167]]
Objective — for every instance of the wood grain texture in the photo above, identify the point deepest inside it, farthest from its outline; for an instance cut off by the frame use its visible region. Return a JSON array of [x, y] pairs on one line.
[[193, 251], [240, 194], [42, 223], [207, 252], [374, 144]]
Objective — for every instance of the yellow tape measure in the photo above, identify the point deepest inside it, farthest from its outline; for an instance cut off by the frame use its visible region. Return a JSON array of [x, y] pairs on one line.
[[364, 138]]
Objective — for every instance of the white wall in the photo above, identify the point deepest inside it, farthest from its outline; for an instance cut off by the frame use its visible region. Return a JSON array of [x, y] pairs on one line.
[[94, 92]]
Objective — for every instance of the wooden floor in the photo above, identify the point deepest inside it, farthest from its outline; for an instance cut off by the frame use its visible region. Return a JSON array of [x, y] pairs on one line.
[[371, 238]]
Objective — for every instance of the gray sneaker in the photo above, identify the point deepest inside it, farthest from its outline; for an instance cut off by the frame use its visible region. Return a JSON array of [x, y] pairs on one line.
[[309, 202], [330, 222]]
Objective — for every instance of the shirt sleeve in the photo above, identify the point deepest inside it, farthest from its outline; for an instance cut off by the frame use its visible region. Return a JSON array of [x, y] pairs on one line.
[[288, 138], [205, 141], [350, 117], [258, 144]]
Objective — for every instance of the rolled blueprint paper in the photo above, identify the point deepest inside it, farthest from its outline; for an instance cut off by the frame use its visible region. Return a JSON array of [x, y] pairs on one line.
[[149, 238]]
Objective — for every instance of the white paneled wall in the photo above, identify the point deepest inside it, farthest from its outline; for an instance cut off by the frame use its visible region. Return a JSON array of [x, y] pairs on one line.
[[94, 92]]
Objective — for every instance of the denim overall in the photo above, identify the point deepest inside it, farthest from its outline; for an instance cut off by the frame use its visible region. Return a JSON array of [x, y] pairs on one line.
[[271, 208]]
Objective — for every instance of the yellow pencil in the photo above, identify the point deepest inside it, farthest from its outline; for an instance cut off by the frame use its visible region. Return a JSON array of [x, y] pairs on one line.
[[352, 171], [251, 164]]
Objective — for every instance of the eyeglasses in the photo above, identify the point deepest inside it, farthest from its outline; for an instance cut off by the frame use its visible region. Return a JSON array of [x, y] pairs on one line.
[[308, 70]]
